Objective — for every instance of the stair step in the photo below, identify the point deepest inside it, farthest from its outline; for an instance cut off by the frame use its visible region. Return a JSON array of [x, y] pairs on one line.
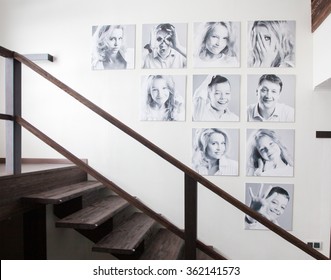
[[164, 246], [203, 256], [62, 194], [95, 214], [127, 237]]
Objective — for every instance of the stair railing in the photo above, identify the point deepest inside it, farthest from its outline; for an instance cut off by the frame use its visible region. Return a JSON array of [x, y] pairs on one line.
[[192, 178]]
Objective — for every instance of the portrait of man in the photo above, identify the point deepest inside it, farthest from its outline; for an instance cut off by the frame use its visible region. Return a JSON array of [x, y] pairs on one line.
[[270, 98]]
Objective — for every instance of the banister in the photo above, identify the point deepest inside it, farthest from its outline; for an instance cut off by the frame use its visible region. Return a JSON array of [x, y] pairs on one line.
[[6, 53], [106, 182], [187, 170], [6, 117]]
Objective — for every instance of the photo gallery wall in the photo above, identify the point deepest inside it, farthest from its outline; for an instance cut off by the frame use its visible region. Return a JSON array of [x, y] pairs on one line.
[[217, 97]]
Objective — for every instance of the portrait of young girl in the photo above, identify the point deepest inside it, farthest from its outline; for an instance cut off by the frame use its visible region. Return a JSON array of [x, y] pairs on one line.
[[215, 151], [273, 201], [217, 44], [269, 152], [163, 98]]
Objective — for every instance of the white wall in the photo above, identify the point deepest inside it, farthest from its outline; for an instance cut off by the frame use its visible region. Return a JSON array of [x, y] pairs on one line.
[[322, 55], [63, 29]]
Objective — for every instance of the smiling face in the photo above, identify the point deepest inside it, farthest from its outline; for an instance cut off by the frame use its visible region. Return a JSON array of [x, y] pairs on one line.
[[159, 91], [219, 95], [275, 206], [216, 146], [268, 94], [217, 39], [268, 149]]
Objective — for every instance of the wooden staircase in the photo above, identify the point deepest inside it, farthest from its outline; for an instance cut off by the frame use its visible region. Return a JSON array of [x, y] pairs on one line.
[[110, 222], [14, 189]]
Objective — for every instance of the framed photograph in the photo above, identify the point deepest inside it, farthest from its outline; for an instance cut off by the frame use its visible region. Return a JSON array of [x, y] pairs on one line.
[[163, 98], [270, 152], [164, 45], [271, 98], [271, 43], [272, 200], [215, 151], [216, 44], [113, 47], [216, 98]]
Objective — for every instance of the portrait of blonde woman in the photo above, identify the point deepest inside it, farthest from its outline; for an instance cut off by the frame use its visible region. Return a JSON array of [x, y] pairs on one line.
[[216, 44], [113, 47], [271, 43], [215, 151]]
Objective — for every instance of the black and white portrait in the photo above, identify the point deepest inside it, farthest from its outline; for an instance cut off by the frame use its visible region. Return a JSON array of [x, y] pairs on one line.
[[163, 98], [113, 47], [271, 43], [164, 45], [273, 201], [270, 98], [270, 152], [216, 44], [215, 151], [216, 97]]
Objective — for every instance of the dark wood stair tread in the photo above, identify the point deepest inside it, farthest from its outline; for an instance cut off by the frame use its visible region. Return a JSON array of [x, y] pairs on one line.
[[127, 237], [62, 194], [164, 246], [95, 214], [203, 256]]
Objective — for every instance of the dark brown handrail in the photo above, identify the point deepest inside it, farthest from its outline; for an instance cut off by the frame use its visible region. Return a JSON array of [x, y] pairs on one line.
[[6, 117], [6, 53], [106, 182], [187, 170]]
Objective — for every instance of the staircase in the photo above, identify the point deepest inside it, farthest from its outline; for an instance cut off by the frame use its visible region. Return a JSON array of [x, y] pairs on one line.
[[110, 222], [141, 237]]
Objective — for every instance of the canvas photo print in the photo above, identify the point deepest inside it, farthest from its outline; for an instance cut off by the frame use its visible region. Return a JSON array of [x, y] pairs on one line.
[[269, 152], [273, 201], [164, 46], [215, 151], [216, 98], [163, 98], [271, 43], [216, 44], [113, 47], [271, 98]]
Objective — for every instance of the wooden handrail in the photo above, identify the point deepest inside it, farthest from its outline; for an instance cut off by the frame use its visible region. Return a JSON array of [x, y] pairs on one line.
[[187, 170], [6, 53], [106, 182], [320, 10], [6, 117]]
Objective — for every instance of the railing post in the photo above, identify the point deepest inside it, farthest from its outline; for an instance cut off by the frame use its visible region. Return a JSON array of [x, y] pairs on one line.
[[191, 211], [14, 108]]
